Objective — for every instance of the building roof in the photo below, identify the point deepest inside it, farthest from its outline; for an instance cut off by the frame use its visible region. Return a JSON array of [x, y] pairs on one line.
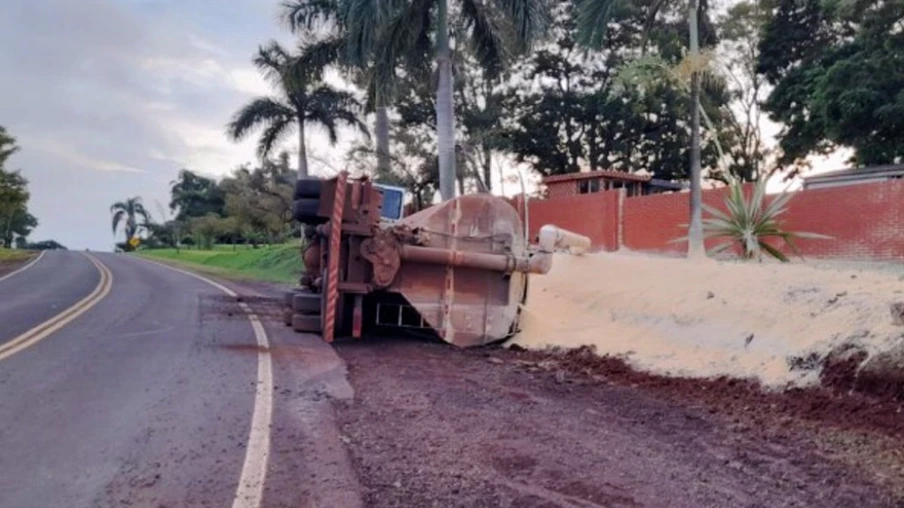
[[854, 174], [586, 175]]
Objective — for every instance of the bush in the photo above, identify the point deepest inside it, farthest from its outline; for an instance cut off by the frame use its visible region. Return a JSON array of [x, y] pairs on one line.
[[753, 224]]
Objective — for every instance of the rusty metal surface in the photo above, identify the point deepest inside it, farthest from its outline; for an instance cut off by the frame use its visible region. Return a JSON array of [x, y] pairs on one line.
[[467, 306], [333, 255], [383, 253]]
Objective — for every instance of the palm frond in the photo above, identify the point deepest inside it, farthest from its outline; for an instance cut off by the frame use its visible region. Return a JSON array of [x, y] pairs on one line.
[[271, 60], [306, 14], [403, 34], [260, 111], [362, 21], [117, 217], [529, 18], [593, 19], [272, 135], [487, 34]]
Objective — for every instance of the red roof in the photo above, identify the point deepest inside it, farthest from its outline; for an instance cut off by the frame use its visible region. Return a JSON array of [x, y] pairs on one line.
[[609, 175]]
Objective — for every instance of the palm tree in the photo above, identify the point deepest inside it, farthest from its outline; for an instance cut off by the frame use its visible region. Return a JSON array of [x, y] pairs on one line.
[[351, 50], [593, 17], [394, 31], [302, 99], [132, 212]]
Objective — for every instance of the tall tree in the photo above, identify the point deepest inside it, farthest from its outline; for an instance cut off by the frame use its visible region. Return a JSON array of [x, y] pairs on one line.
[[131, 215], [740, 27], [194, 195], [593, 20], [302, 99], [351, 48], [15, 219], [837, 76], [494, 28]]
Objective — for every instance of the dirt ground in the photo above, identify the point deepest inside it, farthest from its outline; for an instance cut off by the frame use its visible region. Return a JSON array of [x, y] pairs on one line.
[[430, 425]]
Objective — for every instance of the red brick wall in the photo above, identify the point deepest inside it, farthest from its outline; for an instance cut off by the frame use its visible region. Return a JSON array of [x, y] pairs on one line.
[[652, 223], [866, 221], [594, 215]]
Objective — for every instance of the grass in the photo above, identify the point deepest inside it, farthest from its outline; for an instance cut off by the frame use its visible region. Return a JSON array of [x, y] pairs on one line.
[[280, 263], [15, 255]]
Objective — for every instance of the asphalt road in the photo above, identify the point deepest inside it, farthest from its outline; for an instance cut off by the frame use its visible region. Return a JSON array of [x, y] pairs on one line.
[[142, 400]]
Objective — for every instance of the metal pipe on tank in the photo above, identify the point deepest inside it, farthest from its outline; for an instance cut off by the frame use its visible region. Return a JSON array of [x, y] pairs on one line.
[[465, 259], [552, 238]]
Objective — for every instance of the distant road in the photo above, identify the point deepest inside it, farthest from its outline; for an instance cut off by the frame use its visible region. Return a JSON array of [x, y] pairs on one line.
[[140, 400], [55, 282]]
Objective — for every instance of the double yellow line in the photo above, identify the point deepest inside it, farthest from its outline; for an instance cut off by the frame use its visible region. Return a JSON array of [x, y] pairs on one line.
[[53, 324]]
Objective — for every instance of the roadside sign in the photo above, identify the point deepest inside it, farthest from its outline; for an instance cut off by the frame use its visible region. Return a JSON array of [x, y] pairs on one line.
[[134, 242]]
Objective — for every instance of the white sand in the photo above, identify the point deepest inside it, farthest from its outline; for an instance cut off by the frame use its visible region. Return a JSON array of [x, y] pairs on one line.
[[658, 315]]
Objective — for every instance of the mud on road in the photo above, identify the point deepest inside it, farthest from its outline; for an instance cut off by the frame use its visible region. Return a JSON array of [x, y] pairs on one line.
[[434, 426]]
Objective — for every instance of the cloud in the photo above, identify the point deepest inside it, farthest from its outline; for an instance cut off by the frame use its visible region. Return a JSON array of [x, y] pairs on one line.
[[110, 98]]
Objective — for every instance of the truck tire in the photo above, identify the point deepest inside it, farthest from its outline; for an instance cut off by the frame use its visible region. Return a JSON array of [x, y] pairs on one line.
[[305, 211], [306, 323], [287, 317], [308, 187], [306, 303]]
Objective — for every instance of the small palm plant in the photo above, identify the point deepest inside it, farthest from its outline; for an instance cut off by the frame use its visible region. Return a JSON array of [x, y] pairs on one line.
[[751, 223]]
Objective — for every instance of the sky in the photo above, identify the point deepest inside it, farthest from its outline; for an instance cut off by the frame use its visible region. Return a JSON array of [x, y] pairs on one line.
[[108, 99]]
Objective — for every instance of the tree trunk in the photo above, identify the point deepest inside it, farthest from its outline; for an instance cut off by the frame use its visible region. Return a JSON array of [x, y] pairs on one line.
[[382, 131], [302, 151], [695, 247], [445, 115], [488, 169]]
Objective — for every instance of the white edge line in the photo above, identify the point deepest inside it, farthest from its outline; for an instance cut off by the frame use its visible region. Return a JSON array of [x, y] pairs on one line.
[[26, 267], [250, 490]]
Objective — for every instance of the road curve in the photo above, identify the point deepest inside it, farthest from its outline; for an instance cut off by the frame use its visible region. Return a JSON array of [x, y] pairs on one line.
[[54, 283], [146, 399]]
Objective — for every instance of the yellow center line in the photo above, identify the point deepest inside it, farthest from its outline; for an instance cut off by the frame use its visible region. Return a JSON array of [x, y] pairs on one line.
[[53, 324]]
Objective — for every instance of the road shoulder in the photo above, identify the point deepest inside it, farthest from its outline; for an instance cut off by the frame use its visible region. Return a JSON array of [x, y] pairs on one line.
[[14, 260], [308, 465]]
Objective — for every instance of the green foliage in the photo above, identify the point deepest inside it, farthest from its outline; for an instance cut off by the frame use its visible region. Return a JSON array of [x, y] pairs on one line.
[[280, 263], [837, 75], [572, 110], [15, 219], [206, 229], [193, 195], [752, 223], [14, 256], [260, 200]]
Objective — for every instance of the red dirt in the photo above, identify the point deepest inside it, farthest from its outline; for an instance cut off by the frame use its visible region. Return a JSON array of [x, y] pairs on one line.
[[434, 426]]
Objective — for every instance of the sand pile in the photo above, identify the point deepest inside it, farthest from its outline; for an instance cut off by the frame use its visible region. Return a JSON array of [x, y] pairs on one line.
[[768, 321]]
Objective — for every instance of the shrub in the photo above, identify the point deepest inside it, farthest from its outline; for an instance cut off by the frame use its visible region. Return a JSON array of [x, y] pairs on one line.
[[752, 223]]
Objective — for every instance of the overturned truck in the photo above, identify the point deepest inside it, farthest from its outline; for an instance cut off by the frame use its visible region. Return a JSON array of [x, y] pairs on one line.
[[458, 270]]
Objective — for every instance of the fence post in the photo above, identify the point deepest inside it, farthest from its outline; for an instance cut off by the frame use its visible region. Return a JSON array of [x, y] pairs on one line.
[[620, 220]]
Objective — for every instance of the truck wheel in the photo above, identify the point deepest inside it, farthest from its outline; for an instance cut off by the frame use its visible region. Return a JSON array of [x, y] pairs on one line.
[[306, 303], [305, 211], [308, 187], [306, 323], [287, 316]]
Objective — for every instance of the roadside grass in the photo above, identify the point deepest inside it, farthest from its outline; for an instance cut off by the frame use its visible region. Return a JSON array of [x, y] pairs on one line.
[[15, 255], [279, 263]]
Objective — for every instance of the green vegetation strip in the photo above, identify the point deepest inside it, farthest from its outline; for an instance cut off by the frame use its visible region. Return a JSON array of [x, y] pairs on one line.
[[280, 263], [15, 256]]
